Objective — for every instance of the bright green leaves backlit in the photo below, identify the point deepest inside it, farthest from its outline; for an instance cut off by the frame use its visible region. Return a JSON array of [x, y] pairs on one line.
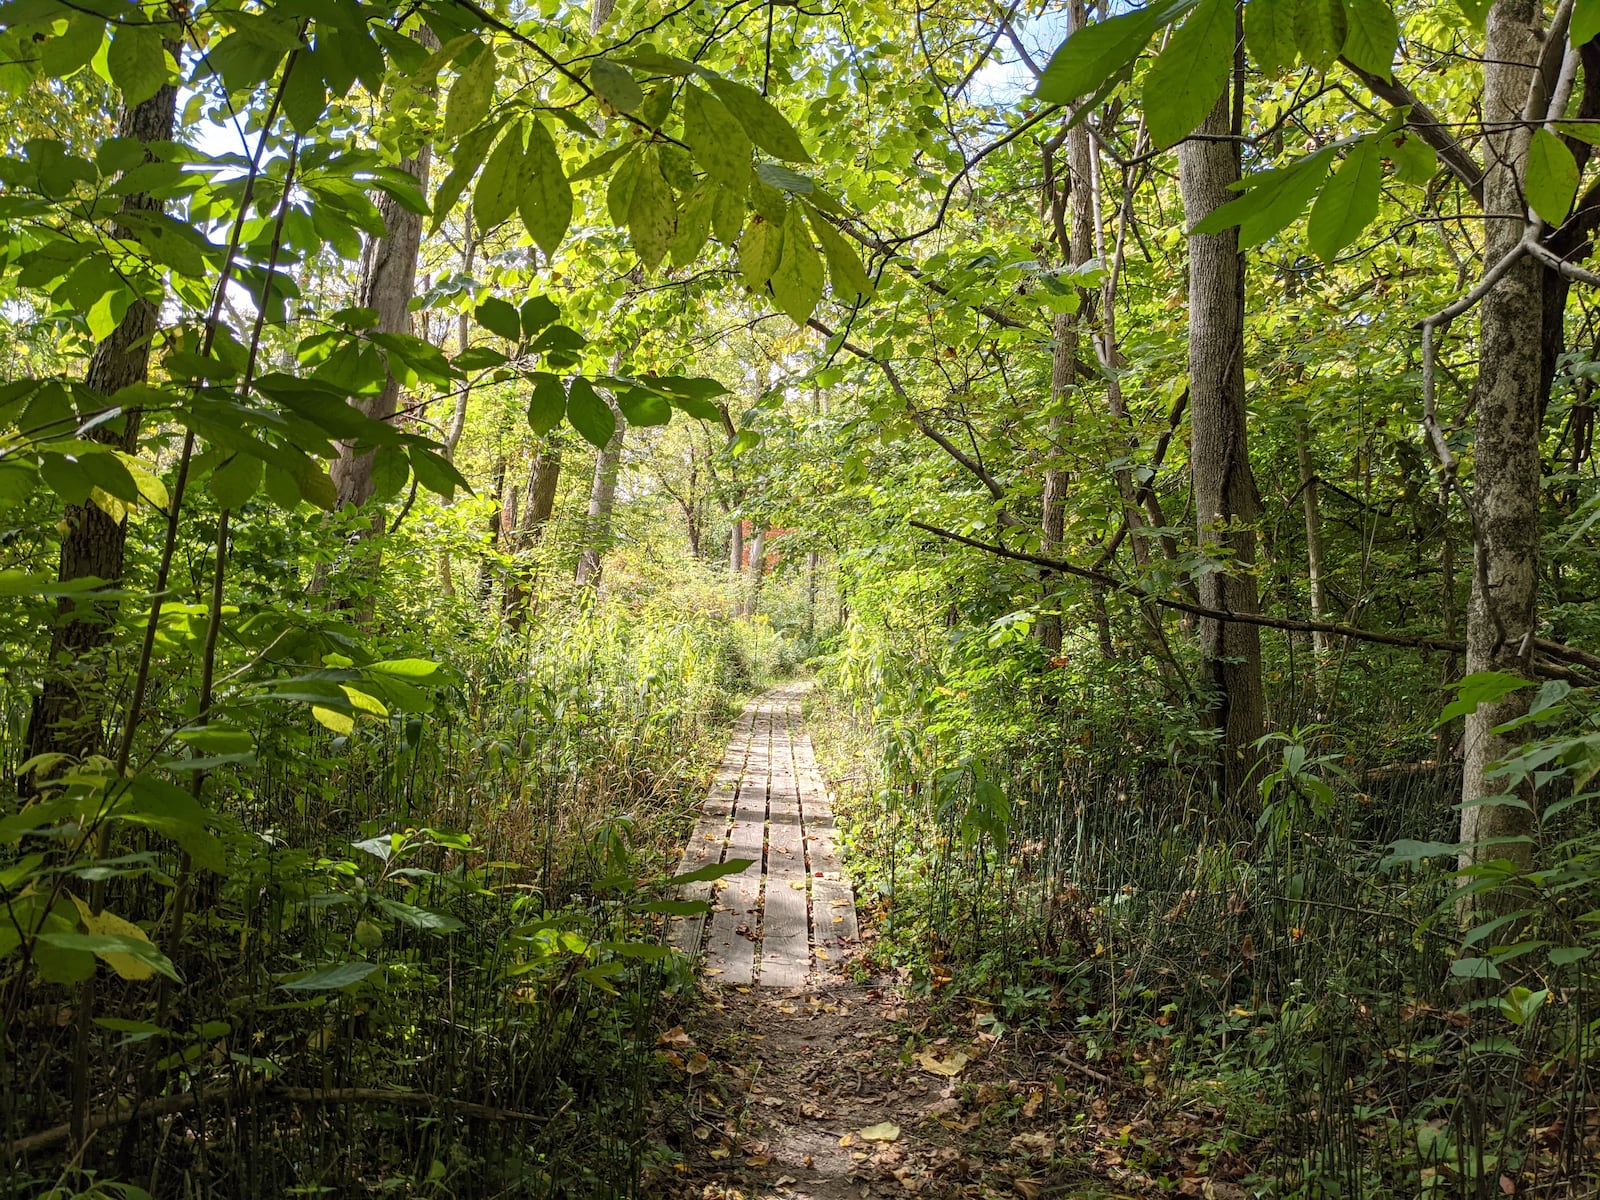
[[1348, 203], [719, 143], [1185, 82]]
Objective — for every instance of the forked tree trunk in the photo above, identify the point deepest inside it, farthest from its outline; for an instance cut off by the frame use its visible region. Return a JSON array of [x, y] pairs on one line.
[[602, 499], [1224, 490], [67, 714], [1502, 614]]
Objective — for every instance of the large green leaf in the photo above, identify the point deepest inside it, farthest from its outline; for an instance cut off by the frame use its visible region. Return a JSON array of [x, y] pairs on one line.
[[137, 61], [1320, 28], [797, 280], [1183, 84], [112, 947], [1372, 37], [471, 96], [1092, 55], [652, 214], [495, 197], [1551, 182], [719, 143], [329, 978], [851, 284], [546, 199], [759, 251], [1269, 32], [547, 403], [613, 84], [1348, 203], [1273, 199], [767, 127], [590, 415], [1585, 21]]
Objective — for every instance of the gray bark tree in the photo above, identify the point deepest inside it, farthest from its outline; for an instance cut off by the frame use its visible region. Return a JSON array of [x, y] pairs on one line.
[[1225, 496], [602, 499]]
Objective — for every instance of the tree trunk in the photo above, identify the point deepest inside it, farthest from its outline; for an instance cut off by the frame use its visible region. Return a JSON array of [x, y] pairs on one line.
[[1224, 490], [758, 550], [544, 476], [1310, 502], [497, 500], [736, 550], [387, 283], [1501, 615], [66, 715], [602, 498], [811, 594], [458, 416]]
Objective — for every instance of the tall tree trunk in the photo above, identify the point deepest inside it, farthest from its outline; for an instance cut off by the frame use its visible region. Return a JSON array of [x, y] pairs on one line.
[[736, 549], [67, 714], [1310, 501], [387, 283], [758, 551], [602, 498], [458, 416], [1224, 490], [812, 560], [497, 501], [1502, 614], [544, 477]]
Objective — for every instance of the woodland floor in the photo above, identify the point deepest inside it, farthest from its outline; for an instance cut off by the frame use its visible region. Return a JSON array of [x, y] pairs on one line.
[[835, 1089]]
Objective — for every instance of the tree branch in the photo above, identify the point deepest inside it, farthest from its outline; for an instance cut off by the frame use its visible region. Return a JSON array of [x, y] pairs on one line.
[[1427, 126]]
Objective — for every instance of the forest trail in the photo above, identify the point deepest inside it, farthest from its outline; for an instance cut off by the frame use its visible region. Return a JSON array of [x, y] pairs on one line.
[[800, 1082]]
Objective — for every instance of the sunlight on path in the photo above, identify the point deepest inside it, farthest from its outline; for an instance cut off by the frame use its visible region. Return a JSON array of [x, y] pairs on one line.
[[791, 913]]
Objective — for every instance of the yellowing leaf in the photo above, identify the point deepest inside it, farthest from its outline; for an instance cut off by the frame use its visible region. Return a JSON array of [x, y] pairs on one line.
[[884, 1131], [341, 723], [125, 965], [948, 1067]]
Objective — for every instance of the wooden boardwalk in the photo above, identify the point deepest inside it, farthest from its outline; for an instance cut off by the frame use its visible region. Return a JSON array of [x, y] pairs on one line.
[[791, 914]]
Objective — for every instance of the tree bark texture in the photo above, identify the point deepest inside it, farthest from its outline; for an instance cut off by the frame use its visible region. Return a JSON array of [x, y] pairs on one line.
[[544, 478], [67, 714], [1225, 496], [758, 566], [1502, 613], [602, 499]]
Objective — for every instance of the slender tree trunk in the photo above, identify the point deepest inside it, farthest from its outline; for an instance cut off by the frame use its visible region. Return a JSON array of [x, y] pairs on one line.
[[812, 560], [497, 499], [544, 477], [1224, 489], [67, 714], [1310, 501], [736, 550], [1502, 614], [602, 498], [458, 416], [758, 551]]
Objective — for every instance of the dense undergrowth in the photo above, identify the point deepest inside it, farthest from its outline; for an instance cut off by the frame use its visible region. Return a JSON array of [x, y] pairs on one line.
[[413, 939], [1044, 858]]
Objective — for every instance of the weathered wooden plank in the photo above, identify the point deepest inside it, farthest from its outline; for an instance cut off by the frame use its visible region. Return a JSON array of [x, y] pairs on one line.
[[736, 915], [786, 932]]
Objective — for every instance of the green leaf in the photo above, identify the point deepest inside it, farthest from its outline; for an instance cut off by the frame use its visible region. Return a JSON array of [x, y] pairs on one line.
[[797, 280], [1481, 687], [495, 197], [652, 216], [1409, 853], [1091, 56], [471, 95], [1414, 160], [1273, 199], [327, 979], [712, 873], [644, 408], [1474, 968], [1348, 203], [420, 918], [590, 415], [546, 199], [1585, 21], [108, 946], [499, 317], [1372, 37], [694, 228], [138, 62], [305, 94], [767, 127], [759, 251], [1269, 32], [1184, 82], [1319, 29], [547, 403], [851, 284], [235, 480], [716, 139], [615, 86], [1551, 181], [75, 48]]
